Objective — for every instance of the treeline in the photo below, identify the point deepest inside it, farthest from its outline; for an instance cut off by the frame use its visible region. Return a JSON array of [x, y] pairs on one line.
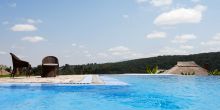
[[139, 65], [4, 67]]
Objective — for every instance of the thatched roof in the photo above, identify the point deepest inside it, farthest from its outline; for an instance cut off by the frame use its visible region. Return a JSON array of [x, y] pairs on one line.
[[3, 72], [187, 64], [187, 67]]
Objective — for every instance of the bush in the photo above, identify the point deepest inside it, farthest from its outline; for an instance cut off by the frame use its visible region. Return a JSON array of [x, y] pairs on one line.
[[154, 70], [215, 72]]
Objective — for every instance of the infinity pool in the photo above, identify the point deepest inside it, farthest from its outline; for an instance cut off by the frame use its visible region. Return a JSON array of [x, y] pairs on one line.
[[142, 93]]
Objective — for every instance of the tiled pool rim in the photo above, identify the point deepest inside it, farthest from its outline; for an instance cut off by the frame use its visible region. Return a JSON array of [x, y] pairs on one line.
[[107, 79]]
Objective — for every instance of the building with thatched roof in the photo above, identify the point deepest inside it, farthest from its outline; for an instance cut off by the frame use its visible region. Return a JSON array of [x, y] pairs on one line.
[[4, 72], [187, 68]]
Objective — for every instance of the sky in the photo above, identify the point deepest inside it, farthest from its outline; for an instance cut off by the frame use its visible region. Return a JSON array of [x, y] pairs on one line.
[[100, 31]]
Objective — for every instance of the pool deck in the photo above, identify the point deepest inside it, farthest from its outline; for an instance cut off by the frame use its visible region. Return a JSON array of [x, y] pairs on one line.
[[61, 79], [70, 79]]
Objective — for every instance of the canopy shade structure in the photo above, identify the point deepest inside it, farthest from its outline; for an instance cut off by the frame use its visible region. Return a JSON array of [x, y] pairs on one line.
[[187, 67], [19, 64]]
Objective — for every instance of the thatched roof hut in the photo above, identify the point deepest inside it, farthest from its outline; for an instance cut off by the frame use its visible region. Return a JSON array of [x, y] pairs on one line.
[[187, 67], [4, 72]]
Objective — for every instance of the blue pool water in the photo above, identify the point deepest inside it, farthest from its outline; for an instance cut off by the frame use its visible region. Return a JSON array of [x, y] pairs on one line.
[[141, 93]]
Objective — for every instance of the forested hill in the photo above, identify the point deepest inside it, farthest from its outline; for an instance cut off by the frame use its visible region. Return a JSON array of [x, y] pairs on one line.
[[139, 65]]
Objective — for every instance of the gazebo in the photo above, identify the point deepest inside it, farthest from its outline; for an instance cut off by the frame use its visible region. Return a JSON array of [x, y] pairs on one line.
[[187, 68]]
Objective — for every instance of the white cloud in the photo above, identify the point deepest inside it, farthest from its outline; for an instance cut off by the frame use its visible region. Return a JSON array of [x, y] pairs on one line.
[[23, 27], [186, 47], [32, 21], [5, 22], [136, 55], [86, 51], [215, 40], [141, 1], [125, 16], [200, 8], [33, 39], [3, 52], [181, 15], [74, 44], [88, 55], [67, 56], [22, 56], [217, 37], [13, 5], [124, 52], [195, 1], [82, 46], [156, 3], [184, 38], [120, 50], [173, 51], [156, 35], [131, 55], [103, 55], [17, 47], [211, 43]]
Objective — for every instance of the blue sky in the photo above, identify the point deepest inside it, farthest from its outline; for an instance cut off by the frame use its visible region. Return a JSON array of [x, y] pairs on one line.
[[98, 31]]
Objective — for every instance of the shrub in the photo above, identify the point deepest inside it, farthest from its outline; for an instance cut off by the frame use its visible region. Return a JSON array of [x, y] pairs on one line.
[[151, 71], [215, 72]]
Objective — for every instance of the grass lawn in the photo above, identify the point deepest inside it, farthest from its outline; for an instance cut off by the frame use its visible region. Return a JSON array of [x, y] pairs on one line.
[[8, 75]]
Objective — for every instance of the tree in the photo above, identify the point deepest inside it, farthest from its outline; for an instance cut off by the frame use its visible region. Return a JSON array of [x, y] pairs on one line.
[[37, 70], [144, 65], [155, 69], [1, 69], [148, 70]]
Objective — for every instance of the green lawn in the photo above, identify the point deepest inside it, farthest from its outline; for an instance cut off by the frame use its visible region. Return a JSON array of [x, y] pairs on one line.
[[1, 76]]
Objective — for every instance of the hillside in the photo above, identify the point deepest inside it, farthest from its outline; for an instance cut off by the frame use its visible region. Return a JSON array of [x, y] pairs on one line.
[[139, 65]]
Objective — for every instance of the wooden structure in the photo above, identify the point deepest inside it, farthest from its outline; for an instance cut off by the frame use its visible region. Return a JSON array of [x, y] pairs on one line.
[[19, 64], [187, 68], [50, 67]]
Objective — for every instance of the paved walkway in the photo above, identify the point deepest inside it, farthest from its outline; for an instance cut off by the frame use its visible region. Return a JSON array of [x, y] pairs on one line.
[[62, 79]]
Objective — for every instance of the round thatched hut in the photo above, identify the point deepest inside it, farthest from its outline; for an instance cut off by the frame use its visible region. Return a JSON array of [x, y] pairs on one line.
[[4, 72], [187, 68]]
